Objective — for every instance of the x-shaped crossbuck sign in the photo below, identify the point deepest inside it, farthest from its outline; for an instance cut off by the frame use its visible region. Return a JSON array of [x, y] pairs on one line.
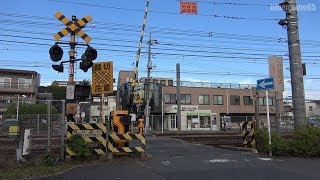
[[72, 27]]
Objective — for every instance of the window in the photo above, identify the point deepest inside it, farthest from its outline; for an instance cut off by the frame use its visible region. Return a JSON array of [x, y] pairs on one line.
[[163, 82], [235, 100], [218, 100], [173, 122], [204, 99], [185, 99], [170, 83], [170, 99], [155, 80], [5, 82], [310, 108], [247, 101], [24, 83], [263, 101], [204, 121]]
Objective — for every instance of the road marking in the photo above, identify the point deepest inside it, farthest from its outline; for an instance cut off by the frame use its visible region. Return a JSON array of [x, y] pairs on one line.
[[270, 159], [266, 159], [167, 163], [221, 160]]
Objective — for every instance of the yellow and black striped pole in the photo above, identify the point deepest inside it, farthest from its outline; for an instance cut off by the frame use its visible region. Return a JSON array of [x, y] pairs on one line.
[[135, 79]]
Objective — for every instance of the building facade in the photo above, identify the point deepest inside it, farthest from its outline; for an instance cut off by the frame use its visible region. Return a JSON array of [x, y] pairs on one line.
[[109, 106], [205, 105], [313, 109], [17, 84]]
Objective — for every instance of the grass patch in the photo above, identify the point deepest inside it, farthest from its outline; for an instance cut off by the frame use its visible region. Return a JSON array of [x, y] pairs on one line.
[[28, 170]]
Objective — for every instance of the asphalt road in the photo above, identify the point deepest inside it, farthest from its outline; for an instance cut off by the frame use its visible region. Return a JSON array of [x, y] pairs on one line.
[[174, 159]]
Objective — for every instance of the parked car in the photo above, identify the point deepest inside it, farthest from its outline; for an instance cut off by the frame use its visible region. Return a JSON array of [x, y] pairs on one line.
[[313, 122]]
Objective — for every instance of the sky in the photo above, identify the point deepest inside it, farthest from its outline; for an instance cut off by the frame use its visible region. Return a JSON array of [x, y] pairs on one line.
[[226, 42]]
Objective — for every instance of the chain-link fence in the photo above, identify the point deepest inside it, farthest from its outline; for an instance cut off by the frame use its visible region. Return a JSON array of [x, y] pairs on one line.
[[30, 130]]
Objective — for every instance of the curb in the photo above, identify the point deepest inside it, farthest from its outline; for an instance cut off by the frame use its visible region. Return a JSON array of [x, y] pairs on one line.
[[239, 149]]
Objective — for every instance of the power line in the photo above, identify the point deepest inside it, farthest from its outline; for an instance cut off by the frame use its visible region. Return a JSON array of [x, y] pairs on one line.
[[166, 12], [217, 34]]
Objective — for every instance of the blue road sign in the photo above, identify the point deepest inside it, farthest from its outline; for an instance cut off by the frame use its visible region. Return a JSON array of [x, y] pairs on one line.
[[265, 84]]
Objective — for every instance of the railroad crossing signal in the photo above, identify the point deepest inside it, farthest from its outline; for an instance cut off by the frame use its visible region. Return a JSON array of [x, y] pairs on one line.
[[72, 27]]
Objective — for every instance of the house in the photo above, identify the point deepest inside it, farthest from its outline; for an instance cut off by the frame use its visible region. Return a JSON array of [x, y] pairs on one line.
[[17, 84]]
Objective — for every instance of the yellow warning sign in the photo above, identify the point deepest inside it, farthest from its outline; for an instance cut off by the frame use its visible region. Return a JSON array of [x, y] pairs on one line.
[[102, 78]]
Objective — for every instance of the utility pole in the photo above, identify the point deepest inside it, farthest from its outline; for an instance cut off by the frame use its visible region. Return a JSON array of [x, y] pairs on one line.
[[256, 112], [277, 112], [296, 70], [149, 66], [178, 99]]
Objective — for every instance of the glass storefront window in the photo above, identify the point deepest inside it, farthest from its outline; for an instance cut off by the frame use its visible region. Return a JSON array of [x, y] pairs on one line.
[[198, 120]]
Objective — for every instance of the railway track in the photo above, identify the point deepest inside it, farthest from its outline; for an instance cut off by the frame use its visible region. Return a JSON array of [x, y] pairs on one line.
[[212, 139]]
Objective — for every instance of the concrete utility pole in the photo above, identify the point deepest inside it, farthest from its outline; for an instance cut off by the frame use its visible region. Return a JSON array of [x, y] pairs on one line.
[[149, 66], [256, 106], [178, 99], [296, 70]]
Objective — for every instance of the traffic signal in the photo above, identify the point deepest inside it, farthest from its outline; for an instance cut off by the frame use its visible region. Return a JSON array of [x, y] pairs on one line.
[[58, 68], [89, 55], [85, 64], [56, 53]]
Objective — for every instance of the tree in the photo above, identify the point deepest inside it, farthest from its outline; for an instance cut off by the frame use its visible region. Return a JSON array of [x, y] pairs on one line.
[[84, 82], [54, 84], [58, 92]]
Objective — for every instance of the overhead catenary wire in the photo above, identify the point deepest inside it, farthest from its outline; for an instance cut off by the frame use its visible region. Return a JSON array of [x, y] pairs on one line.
[[165, 12], [231, 36]]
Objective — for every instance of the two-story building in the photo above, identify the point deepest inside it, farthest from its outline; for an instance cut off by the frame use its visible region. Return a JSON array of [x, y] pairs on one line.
[[16, 84], [203, 105]]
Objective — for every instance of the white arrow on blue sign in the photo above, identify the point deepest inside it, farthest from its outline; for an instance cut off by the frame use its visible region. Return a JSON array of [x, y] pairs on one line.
[[265, 84]]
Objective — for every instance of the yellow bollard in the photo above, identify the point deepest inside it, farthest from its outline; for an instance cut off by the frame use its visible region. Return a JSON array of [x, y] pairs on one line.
[[141, 126]]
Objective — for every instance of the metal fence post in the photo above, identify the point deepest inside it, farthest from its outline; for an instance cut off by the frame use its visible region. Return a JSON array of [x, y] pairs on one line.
[[48, 149], [63, 128], [38, 128]]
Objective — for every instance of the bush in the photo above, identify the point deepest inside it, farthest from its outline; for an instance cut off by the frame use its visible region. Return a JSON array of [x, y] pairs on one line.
[[79, 146], [49, 159], [304, 142], [262, 140], [280, 146]]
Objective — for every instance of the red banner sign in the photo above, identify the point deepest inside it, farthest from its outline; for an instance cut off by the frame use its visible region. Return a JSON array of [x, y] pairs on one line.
[[189, 7]]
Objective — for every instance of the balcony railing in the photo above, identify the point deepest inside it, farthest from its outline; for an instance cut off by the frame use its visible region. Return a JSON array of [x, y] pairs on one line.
[[215, 85]]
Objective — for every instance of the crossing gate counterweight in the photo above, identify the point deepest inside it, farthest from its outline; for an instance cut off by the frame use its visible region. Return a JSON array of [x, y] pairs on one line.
[[94, 134]]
